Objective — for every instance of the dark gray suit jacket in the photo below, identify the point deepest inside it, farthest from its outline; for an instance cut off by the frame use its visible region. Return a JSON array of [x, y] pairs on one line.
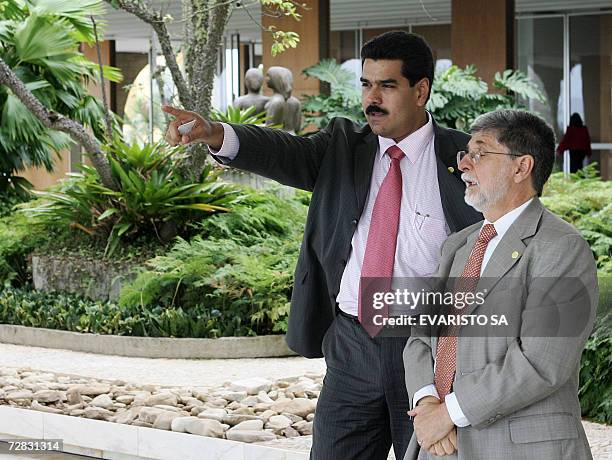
[[336, 165]]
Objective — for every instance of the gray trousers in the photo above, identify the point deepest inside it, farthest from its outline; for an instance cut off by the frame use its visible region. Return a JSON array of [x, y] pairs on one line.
[[363, 403]]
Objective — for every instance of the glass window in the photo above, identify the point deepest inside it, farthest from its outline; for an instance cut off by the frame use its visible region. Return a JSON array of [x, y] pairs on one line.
[[591, 73], [540, 55], [343, 45]]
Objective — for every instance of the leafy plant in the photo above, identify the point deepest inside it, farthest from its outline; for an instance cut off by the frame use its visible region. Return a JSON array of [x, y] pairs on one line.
[[344, 99], [584, 200], [39, 41], [75, 313], [235, 115], [11, 198], [458, 95], [18, 238], [240, 266], [153, 199], [595, 390]]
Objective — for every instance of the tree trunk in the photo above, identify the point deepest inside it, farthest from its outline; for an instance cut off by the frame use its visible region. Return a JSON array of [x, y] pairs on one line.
[[56, 121], [206, 28]]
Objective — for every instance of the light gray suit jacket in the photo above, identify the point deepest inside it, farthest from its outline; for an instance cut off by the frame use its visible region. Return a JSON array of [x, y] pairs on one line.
[[519, 393]]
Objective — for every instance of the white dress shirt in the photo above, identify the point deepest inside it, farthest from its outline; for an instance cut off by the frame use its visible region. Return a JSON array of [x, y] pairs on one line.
[[422, 228], [501, 227]]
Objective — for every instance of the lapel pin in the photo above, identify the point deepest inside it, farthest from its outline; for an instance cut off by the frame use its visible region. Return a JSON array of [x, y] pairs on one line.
[[451, 169], [515, 254]]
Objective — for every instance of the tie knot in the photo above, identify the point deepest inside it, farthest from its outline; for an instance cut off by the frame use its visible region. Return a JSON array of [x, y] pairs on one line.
[[395, 152], [487, 233]]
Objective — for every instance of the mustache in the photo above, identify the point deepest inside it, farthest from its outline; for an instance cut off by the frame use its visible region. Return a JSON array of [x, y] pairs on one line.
[[467, 177], [375, 109]]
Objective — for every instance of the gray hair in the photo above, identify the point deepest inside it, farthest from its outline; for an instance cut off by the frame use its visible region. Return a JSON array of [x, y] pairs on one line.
[[522, 133]]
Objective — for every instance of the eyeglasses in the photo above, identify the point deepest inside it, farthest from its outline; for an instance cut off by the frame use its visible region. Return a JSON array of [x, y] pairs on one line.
[[475, 156]]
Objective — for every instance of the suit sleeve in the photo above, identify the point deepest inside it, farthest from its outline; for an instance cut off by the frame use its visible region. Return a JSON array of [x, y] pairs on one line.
[[534, 367], [291, 160], [418, 362], [419, 357]]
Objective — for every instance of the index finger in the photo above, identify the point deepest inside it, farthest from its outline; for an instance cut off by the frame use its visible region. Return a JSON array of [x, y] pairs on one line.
[[172, 110]]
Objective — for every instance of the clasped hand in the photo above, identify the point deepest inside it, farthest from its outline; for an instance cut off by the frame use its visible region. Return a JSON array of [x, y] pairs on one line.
[[433, 427]]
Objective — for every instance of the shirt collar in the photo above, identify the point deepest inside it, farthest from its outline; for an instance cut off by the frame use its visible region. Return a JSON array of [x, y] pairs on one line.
[[504, 222], [413, 145]]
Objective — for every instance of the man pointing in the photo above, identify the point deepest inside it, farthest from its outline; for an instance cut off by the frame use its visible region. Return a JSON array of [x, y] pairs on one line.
[[385, 197]]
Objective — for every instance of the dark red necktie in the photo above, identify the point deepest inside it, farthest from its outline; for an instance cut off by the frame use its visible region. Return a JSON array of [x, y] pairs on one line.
[[446, 353], [379, 255]]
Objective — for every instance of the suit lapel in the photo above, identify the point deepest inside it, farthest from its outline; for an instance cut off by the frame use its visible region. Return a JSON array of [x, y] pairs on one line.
[[365, 153], [462, 254], [509, 250], [512, 246]]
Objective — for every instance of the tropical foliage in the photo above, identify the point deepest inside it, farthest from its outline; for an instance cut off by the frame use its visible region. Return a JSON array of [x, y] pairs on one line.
[[344, 99], [585, 201], [154, 199], [70, 312], [233, 278], [596, 371], [18, 239], [39, 40], [240, 116], [240, 266], [458, 95]]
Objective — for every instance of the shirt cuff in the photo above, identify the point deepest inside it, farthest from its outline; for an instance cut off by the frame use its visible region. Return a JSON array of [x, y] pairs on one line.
[[427, 390], [231, 144], [454, 411]]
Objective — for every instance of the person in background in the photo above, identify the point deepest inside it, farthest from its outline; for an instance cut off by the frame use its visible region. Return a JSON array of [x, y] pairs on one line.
[[577, 140]]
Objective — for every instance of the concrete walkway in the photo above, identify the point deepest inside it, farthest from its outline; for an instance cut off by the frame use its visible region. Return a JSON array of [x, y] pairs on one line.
[[184, 372], [175, 372]]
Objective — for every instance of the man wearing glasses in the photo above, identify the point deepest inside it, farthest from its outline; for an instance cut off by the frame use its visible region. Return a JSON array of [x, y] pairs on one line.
[[481, 394]]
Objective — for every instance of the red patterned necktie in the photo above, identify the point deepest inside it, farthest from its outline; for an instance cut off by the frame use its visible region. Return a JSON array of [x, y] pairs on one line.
[[379, 255], [446, 353]]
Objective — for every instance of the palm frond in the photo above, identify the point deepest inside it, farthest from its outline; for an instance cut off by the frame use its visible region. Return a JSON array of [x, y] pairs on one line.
[[36, 39]]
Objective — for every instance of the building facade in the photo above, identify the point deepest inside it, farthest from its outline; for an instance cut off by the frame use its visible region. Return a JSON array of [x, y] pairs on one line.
[[564, 46]]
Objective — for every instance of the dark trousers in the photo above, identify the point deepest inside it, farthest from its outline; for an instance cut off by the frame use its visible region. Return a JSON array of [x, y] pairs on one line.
[[363, 403], [576, 159]]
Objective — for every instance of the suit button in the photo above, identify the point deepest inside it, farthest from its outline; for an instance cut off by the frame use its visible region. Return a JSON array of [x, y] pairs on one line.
[[354, 221]]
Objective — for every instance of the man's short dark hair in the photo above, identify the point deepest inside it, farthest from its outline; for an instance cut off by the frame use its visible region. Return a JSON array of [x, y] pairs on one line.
[[411, 49], [522, 133]]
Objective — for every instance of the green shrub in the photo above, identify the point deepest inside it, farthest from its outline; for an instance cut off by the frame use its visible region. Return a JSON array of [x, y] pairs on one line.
[[241, 266], [154, 199], [596, 370], [18, 238], [458, 95], [74, 313], [11, 198], [585, 201], [344, 99]]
